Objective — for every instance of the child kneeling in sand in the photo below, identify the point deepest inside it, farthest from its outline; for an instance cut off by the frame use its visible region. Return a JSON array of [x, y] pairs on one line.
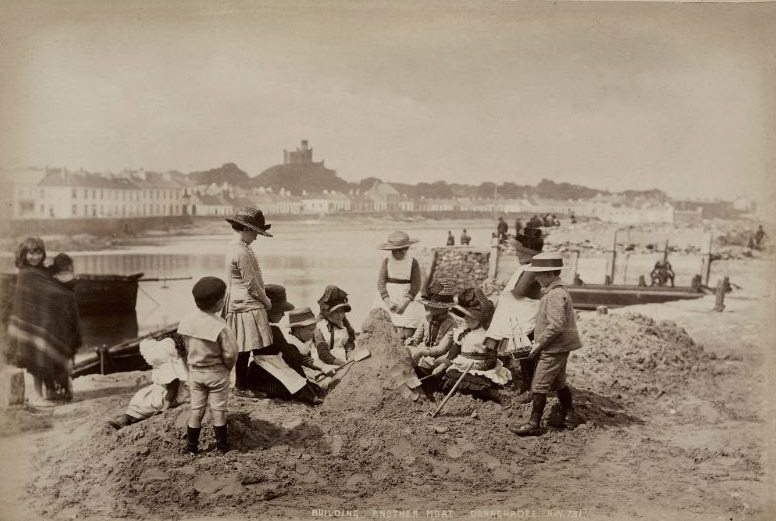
[[212, 352], [168, 388]]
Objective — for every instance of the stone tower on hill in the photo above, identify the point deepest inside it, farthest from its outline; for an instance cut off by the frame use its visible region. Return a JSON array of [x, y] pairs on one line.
[[300, 173]]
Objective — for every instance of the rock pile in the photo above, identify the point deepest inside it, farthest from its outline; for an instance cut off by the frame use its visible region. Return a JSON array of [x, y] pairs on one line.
[[466, 267]]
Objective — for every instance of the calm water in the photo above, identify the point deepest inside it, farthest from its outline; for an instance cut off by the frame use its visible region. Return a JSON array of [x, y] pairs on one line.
[[302, 257]]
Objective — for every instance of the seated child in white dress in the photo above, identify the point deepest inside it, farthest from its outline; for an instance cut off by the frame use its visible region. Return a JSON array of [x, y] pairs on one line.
[[169, 379]]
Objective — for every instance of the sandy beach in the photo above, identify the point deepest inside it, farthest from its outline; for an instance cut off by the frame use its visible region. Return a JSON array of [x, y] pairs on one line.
[[674, 423]]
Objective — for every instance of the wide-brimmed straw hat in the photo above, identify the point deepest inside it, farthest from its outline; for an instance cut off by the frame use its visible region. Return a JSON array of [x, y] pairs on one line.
[[301, 317], [549, 261], [473, 303], [439, 294], [252, 218], [333, 298], [398, 240], [277, 295]]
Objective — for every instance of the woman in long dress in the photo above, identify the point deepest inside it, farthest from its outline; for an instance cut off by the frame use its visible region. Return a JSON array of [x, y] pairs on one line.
[[398, 283], [246, 302]]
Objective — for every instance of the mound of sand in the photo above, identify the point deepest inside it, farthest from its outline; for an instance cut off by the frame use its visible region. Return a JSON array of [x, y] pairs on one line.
[[366, 438], [632, 354]]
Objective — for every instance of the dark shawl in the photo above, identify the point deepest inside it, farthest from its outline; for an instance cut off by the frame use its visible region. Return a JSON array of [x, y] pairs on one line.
[[43, 329]]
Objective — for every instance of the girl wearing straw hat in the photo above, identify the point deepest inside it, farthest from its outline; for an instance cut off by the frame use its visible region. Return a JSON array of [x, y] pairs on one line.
[[398, 283], [246, 302]]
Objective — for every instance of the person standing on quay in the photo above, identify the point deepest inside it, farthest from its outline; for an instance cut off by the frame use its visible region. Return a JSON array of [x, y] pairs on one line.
[[246, 302], [450, 238], [465, 238], [502, 229]]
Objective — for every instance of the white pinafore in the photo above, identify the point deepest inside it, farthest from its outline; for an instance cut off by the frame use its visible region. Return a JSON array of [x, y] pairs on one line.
[[398, 288]]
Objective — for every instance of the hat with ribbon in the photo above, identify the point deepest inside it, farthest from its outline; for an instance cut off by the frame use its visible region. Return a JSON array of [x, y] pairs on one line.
[[333, 298], [530, 239], [277, 295], [549, 261], [439, 294], [473, 303], [301, 317], [397, 240], [251, 218]]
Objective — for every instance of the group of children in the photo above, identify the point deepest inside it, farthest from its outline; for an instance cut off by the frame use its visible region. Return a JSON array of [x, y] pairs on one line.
[[196, 363], [452, 344]]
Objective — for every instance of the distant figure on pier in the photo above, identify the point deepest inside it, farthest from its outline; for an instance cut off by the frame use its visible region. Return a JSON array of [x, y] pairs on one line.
[[662, 273], [573, 218], [450, 238], [759, 237], [518, 227], [465, 238], [501, 230]]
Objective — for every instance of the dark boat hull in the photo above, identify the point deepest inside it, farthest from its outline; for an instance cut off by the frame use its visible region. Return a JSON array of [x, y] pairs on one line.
[[590, 296], [95, 294], [100, 294]]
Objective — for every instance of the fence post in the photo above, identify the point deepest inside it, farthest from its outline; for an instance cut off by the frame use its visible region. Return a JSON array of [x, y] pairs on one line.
[[495, 252]]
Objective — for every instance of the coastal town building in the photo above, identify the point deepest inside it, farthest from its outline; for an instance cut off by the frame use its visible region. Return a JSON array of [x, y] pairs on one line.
[[64, 194]]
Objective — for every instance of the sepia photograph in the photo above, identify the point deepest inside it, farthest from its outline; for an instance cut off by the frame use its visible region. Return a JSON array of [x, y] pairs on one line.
[[460, 259]]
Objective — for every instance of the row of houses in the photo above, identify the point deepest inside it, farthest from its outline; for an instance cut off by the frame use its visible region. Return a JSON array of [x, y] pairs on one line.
[[62, 194]]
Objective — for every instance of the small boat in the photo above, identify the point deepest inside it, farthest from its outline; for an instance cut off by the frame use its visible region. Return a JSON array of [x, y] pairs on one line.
[[590, 296], [117, 358]]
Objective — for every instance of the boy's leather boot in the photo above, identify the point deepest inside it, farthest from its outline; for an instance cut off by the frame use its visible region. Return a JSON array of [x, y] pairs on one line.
[[192, 440], [533, 427], [558, 419], [222, 438]]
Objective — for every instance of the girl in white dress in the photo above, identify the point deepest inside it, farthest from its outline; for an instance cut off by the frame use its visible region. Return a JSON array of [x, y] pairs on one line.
[[398, 283]]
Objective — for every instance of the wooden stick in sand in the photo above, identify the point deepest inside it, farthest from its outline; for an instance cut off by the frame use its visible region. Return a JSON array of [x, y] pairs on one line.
[[452, 391]]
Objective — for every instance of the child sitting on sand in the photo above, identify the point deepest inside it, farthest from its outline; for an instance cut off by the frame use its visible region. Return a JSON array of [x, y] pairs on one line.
[[169, 377], [212, 350], [334, 338], [302, 324], [434, 337]]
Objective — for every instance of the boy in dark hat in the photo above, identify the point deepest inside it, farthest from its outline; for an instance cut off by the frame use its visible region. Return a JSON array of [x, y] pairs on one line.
[[212, 352]]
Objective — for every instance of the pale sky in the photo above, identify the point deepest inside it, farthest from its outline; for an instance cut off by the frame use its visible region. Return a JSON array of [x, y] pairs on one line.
[[680, 97]]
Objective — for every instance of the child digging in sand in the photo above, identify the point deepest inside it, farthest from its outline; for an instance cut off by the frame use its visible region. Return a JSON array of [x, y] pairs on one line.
[[212, 351]]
